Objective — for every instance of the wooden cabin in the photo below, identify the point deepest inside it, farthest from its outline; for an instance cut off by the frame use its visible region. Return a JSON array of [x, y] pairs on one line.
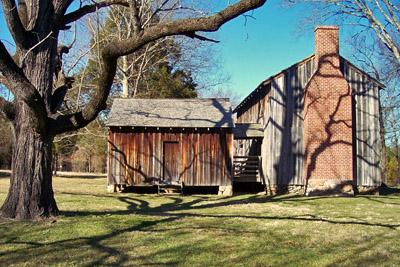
[[170, 141], [320, 125]]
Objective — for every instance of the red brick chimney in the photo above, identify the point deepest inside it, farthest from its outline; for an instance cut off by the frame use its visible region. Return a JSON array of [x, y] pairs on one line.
[[328, 120]]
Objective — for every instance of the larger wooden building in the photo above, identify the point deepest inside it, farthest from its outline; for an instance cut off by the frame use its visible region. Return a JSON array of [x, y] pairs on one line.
[[321, 124]]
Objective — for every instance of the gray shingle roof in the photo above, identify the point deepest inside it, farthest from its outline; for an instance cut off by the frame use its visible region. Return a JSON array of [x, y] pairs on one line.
[[197, 112]]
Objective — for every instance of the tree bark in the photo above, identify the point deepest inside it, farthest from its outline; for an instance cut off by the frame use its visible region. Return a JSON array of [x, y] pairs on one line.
[[31, 194]]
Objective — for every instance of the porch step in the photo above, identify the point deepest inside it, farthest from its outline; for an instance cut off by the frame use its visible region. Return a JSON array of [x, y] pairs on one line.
[[246, 168]]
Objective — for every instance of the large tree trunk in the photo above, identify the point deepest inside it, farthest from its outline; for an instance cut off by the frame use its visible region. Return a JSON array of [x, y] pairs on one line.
[[31, 194]]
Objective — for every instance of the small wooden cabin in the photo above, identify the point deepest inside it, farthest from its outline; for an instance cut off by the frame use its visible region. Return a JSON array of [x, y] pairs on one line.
[[185, 141]]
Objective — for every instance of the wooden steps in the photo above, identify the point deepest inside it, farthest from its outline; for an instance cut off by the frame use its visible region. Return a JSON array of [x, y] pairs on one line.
[[246, 168]]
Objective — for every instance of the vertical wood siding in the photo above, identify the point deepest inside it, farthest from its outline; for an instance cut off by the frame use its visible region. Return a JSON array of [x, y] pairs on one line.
[[255, 113], [284, 156], [136, 157], [366, 127], [278, 107]]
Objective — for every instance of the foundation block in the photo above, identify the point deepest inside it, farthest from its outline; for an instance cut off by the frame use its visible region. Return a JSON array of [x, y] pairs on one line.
[[225, 190], [320, 187]]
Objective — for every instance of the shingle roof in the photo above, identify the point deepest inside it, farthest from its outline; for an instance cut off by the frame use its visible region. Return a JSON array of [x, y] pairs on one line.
[[197, 112]]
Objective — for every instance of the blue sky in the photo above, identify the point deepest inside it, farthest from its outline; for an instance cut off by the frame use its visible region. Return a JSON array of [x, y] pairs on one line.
[[263, 47], [250, 53]]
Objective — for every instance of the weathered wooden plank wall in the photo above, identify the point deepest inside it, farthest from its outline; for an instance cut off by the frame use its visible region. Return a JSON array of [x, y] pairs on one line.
[[284, 128], [366, 127], [280, 101], [204, 157], [255, 113]]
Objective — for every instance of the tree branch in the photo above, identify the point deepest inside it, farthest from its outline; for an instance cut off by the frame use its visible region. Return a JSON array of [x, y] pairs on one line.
[[79, 13], [64, 123], [193, 35], [20, 86], [60, 7], [110, 54], [379, 29], [14, 23], [181, 27]]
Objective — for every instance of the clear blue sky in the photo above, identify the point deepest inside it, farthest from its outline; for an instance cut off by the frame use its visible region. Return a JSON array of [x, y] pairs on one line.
[[266, 45], [251, 53]]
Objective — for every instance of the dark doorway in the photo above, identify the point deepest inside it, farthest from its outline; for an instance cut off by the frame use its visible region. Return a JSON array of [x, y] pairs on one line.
[[171, 158]]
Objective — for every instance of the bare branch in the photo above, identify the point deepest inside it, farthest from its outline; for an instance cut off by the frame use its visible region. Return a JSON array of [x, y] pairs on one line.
[[379, 29], [79, 13], [19, 85], [391, 9], [36, 45], [18, 32], [193, 35]]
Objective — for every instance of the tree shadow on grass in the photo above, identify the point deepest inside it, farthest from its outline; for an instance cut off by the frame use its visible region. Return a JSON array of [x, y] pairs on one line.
[[103, 252], [154, 217], [179, 208], [385, 190]]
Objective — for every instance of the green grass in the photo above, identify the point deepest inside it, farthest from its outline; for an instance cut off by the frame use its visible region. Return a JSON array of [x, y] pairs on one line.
[[96, 228]]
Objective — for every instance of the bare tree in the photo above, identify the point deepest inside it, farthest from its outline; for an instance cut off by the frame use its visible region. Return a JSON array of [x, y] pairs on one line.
[[35, 26]]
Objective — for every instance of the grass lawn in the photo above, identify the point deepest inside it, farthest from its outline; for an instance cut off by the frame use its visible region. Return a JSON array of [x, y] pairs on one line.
[[97, 228]]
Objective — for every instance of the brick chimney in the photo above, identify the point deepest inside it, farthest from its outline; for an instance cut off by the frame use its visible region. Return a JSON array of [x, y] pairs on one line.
[[327, 45], [328, 120]]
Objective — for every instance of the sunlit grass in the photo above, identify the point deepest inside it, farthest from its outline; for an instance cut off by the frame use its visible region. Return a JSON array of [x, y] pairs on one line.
[[97, 228]]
